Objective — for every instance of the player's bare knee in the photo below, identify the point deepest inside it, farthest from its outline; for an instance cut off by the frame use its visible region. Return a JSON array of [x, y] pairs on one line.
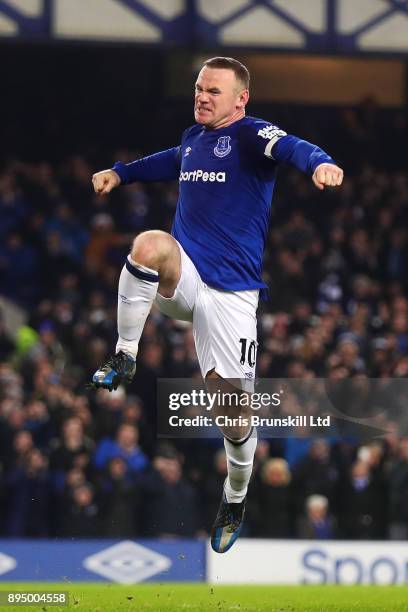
[[151, 248]]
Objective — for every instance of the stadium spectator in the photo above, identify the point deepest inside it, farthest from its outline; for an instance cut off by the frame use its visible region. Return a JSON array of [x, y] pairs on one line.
[[170, 504], [212, 481], [315, 474], [23, 444], [398, 494], [19, 269], [274, 498], [124, 445], [7, 344], [28, 492], [66, 451], [117, 493], [317, 524], [81, 517], [37, 421], [361, 504]]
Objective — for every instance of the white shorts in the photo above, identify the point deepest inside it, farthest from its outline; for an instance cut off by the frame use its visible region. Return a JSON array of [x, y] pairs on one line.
[[224, 322]]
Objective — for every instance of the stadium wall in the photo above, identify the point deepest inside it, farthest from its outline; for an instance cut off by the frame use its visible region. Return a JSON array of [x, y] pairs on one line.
[[322, 26], [249, 562]]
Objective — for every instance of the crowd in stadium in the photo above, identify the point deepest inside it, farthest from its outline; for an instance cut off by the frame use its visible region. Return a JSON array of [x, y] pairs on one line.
[[79, 463]]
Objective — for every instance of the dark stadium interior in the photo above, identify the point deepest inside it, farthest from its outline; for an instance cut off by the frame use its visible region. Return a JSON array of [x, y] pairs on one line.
[[76, 463]]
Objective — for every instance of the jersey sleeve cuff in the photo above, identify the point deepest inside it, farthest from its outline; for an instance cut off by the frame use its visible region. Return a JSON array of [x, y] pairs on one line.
[[122, 171], [319, 158]]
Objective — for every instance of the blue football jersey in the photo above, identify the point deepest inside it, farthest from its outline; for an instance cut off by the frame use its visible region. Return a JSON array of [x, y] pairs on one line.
[[226, 179]]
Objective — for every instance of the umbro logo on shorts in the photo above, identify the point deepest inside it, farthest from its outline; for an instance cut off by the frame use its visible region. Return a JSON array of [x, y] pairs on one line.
[[200, 175]]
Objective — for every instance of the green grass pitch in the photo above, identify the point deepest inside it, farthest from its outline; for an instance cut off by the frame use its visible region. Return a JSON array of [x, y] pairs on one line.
[[167, 597]]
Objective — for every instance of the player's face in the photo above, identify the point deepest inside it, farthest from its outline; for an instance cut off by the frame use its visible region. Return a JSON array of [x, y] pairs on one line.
[[219, 97]]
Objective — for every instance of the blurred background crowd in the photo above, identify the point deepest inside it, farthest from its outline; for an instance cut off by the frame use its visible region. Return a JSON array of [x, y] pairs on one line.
[[80, 463]]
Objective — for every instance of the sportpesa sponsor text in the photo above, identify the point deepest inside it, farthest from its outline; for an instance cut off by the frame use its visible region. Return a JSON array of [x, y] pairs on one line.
[[201, 175]]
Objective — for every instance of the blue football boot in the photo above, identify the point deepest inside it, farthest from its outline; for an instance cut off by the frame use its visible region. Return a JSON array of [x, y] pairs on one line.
[[228, 525], [118, 369]]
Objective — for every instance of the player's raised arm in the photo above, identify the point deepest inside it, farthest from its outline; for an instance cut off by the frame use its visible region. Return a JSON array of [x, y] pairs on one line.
[[162, 166], [307, 157]]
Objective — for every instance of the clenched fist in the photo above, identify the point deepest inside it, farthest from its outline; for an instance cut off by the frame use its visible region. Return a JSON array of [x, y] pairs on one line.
[[327, 175], [104, 181]]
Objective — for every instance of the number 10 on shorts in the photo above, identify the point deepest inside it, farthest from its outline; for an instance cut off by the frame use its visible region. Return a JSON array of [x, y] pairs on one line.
[[248, 352]]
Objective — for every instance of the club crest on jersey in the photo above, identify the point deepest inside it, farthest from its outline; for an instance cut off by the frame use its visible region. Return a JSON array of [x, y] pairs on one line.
[[223, 146]]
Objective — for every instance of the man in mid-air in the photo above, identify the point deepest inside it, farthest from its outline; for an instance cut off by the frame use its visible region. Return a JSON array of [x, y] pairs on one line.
[[208, 271]]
